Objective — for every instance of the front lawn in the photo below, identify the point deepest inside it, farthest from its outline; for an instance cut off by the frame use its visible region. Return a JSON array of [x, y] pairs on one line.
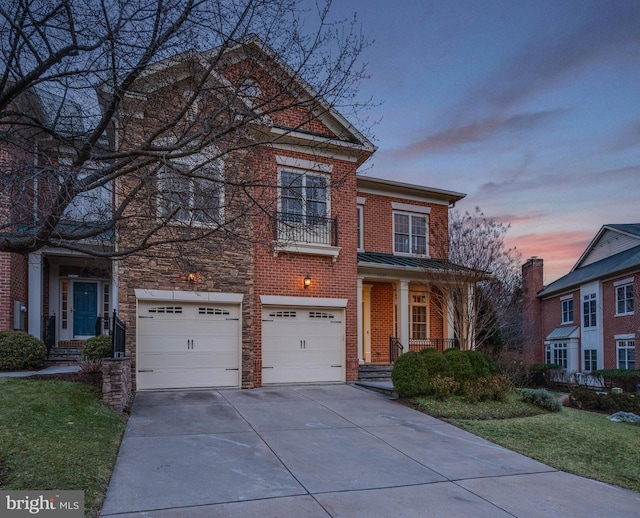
[[57, 435], [575, 441]]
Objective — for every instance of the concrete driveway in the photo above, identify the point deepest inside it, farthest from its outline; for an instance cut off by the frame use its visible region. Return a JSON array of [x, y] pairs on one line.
[[329, 450]]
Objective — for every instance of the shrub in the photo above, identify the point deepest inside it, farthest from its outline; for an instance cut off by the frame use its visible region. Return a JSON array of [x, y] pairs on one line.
[[97, 347], [627, 380], [436, 363], [494, 388], [20, 350], [444, 387], [409, 375], [90, 366], [541, 398], [481, 363], [586, 399], [461, 366]]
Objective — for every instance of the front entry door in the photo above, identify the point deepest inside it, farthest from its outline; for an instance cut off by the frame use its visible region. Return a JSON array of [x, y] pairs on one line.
[[85, 308]]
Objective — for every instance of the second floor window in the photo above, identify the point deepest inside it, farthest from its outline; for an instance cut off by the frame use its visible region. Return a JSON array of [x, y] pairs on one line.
[[589, 310], [409, 233], [191, 196], [567, 311], [303, 197], [624, 299]]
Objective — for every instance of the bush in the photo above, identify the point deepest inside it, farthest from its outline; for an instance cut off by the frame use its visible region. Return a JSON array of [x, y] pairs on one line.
[[461, 366], [20, 350], [444, 387], [436, 363], [409, 375], [90, 366], [97, 347], [494, 388], [541, 398], [586, 399], [481, 363], [627, 380]]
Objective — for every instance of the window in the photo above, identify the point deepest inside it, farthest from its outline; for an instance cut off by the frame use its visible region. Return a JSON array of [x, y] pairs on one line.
[[624, 299], [191, 195], [567, 311], [626, 354], [590, 360], [418, 317], [360, 215], [304, 208], [589, 310], [409, 233], [557, 352]]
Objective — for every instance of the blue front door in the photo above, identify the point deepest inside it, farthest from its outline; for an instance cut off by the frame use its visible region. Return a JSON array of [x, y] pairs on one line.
[[85, 305]]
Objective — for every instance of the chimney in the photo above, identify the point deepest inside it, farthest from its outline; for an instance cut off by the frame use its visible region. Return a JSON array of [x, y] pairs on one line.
[[532, 283]]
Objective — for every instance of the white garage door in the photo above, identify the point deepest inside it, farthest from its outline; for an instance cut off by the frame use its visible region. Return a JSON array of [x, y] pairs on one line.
[[188, 345], [301, 344]]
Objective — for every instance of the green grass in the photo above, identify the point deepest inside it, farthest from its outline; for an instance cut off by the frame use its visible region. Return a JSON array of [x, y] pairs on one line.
[[57, 435], [575, 441]]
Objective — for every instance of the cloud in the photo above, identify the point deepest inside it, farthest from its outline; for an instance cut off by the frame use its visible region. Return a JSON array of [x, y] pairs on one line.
[[479, 130], [605, 29]]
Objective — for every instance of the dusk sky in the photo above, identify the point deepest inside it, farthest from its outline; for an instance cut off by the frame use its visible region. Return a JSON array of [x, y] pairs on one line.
[[531, 108]]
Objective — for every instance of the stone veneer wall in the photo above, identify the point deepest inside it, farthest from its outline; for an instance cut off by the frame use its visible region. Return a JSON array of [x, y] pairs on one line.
[[117, 387]]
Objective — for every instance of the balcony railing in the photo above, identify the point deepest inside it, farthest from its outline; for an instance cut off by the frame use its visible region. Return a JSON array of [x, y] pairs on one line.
[[298, 228], [439, 344]]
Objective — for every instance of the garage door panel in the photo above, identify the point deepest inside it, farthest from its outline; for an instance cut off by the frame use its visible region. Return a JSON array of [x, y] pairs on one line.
[[188, 345], [302, 345]]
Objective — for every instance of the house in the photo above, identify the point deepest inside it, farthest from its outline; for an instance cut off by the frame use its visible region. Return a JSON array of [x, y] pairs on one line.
[[587, 319], [320, 276]]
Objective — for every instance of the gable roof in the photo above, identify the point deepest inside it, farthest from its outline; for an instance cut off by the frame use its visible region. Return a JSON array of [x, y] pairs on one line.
[[620, 263], [610, 240]]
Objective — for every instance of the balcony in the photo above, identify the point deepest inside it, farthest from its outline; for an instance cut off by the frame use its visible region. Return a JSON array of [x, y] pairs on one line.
[[306, 234]]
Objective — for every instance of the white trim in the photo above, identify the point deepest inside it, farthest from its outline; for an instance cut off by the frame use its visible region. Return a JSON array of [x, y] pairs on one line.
[[277, 300], [361, 200], [189, 296], [388, 194], [303, 164], [623, 282], [396, 205], [566, 297], [625, 337]]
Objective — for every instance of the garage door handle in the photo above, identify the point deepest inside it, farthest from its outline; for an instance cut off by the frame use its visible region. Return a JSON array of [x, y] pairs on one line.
[[145, 370], [337, 366], [232, 369], [267, 367]]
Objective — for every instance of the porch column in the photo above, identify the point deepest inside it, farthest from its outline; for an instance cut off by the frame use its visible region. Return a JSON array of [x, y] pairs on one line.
[[34, 307], [403, 314], [360, 324]]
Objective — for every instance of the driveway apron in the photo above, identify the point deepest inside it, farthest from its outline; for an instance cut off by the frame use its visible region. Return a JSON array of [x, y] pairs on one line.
[[328, 450]]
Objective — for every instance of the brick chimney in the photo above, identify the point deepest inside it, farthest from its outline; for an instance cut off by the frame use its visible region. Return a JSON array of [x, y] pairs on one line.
[[532, 283]]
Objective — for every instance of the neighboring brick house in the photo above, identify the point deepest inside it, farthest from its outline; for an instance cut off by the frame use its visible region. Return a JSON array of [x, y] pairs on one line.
[[589, 318], [330, 274]]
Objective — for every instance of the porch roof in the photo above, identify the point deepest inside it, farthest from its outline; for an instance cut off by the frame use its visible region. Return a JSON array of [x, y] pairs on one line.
[[414, 263]]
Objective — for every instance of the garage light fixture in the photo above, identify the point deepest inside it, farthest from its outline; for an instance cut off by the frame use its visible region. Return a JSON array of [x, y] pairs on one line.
[[307, 281], [191, 277]]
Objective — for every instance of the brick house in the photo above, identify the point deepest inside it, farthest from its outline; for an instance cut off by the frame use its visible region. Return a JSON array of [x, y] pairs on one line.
[[329, 276], [588, 319]]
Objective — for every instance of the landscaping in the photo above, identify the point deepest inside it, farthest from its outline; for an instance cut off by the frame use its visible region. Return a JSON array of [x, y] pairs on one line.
[[57, 435], [528, 421]]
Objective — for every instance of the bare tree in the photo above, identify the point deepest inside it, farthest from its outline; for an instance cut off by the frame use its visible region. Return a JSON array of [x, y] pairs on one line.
[[105, 106], [477, 289]]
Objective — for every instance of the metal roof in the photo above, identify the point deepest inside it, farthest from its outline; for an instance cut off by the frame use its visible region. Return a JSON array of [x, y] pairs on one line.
[[562, 333], [421, 263], [606, 267]]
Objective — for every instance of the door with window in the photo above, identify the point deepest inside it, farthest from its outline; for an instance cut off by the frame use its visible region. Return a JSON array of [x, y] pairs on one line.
[[80, 304]]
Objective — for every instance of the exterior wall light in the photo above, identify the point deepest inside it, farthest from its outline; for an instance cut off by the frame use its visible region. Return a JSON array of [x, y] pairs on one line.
[[191, 277], [307, 281]]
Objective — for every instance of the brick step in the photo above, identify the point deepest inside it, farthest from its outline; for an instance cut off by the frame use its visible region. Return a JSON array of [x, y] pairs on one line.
[[375, 372]]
